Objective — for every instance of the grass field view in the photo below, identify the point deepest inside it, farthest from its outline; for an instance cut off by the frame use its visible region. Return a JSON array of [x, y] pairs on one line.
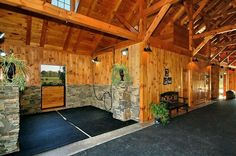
[[52, 75]]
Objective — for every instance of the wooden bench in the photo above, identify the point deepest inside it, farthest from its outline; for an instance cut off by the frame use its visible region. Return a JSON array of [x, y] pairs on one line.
[[173, 101]]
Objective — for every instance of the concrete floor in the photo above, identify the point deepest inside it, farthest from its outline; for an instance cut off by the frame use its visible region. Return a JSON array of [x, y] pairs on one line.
[[210, 130]]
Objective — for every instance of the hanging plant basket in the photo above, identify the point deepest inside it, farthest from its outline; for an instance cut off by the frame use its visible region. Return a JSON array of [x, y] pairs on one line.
[[120, 74], [14, 71]]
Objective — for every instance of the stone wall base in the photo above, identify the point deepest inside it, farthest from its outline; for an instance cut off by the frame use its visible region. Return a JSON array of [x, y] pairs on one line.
[[9, 119]]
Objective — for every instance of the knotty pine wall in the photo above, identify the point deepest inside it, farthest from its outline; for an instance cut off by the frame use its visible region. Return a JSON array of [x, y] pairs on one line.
[[232, 80], [78, 67], [102, 70], [152, 67]]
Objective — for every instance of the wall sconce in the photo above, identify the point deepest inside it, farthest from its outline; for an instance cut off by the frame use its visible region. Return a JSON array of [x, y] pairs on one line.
[[2, 35], [2, 53], [194, 59], [125, 51], [95, 60], [148, 48]]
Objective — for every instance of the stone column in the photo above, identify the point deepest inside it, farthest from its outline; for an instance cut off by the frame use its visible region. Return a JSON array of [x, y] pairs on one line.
[[9, 119]]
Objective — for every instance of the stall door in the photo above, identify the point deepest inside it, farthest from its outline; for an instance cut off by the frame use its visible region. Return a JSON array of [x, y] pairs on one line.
[[53, 86], [53, 96]]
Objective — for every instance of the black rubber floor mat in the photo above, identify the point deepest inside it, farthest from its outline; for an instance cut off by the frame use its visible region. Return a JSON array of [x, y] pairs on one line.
[[46, 131], [94, 121]]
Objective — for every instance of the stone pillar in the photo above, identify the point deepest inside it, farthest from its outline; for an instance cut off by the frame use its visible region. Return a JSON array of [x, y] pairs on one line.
[[9, 119], [125, 102]]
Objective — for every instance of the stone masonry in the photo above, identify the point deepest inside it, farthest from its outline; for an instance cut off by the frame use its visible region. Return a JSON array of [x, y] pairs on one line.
[[125, 102], [9, 119], [125, 99]]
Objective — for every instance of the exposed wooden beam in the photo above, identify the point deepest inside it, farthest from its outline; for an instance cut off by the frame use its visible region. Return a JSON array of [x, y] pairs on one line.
[[202, 44], [28, 29], [142, 19], [157, 6], [226, 44], [156, 21], [43, 33], [190, 25], [227, 56], [126, 23], [232, 62], [47, 9], [225, 29], [214, 56], [100, 36], [67, 40], [201, 6]]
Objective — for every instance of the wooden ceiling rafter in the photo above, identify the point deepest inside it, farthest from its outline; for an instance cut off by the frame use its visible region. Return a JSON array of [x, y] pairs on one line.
[[202, 44], [218, 53], [156, 21], [224, 29], [43, 33], [76, 46], [227, 56], [100, 36], [126, 23], [157, 6], [47, 9]]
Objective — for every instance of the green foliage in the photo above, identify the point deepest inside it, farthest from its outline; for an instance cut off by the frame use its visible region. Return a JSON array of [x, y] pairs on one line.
[[116, 74], [19, 78], [160, 111]]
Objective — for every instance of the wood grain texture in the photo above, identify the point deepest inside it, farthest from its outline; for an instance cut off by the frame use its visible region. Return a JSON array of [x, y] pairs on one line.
[[78, 67], [153, 65], [52, 96], [102, 70]]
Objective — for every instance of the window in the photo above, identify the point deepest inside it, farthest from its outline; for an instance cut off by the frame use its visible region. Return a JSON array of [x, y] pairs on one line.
[[64, 4]]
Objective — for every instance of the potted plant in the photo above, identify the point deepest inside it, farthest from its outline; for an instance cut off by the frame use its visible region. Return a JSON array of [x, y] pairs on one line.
[[160, 113], [13, 71], [120, 73]]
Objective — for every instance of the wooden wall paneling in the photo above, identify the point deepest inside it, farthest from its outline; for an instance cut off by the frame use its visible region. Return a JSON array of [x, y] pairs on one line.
[[78, 67]]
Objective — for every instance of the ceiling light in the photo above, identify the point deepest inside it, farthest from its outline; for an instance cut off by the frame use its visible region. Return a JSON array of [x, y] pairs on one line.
[[2, 35], [125, 51], [95, 60]]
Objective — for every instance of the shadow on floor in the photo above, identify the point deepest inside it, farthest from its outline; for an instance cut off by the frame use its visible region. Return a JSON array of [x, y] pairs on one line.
[[210, 130], [47, 131]]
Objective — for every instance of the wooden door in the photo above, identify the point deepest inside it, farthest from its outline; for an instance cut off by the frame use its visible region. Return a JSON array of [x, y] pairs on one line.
[[53, 96]]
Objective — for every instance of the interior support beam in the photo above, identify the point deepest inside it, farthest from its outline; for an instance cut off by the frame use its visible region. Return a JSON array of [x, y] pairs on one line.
[[190, 25], [218, 53], [202, 44], [38, 6], [221, 30], [227, 56], [67, 40], [156, 21], [201, 6], [43, 33], [28, 30], [232, 62], [142, 19], [157, 6], [126, 23]]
